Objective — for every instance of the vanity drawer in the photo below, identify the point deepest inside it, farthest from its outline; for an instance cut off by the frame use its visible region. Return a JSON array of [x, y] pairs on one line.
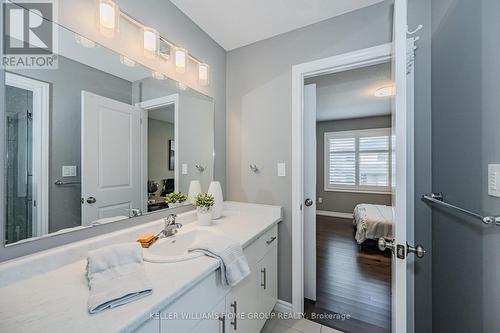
[[258, 249]]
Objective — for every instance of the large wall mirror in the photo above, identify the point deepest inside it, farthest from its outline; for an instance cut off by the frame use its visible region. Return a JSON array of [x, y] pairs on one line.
[[98, 140]]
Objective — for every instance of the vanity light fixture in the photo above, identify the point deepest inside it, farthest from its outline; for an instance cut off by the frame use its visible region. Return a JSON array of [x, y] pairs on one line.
[[158, 76], [386, 91], [109, 14], [180, 57], [203, 74], [85, 42], [127, 61], [151, 39]]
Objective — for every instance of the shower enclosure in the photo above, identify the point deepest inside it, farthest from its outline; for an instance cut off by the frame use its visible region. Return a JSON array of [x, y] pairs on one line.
[[19, 122]]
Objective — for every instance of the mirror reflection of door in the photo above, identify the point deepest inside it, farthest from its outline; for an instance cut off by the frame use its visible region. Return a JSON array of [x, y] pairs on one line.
[[161, 155], [26, 120]]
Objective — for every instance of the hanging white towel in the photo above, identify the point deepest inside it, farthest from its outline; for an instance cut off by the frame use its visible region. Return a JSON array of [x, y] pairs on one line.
[[229, 253]]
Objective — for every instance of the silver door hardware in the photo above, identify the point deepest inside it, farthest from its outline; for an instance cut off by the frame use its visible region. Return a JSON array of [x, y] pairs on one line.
[[384, 245], [271, 240], [91, 200], [401, 250], [438, 198], [234, 322], [62, 183], [264, 283], [418, 250], [308, 202], [134, 212]]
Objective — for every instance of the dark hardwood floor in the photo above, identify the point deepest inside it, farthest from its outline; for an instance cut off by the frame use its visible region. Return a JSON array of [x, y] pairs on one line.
[[350, 280]]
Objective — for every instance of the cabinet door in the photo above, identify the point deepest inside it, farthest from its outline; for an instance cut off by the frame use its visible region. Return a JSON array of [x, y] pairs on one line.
[[214, 325], [241, 302], [268, 278]]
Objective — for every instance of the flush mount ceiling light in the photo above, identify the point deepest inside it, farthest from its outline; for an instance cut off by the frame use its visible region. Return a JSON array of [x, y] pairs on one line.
[[386, 91], [203, 74], [108, 17], [151, 39], [181, 56], [85, 42], [127, 61]]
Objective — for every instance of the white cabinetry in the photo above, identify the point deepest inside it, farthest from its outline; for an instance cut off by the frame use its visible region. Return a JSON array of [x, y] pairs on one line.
[[241, 308]]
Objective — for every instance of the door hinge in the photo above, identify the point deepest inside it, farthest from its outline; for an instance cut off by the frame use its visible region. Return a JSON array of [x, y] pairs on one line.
[[401, 251]]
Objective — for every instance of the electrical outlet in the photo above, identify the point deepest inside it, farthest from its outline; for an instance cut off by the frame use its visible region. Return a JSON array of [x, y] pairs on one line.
[[184, 169], [281, 170], [320, 200]]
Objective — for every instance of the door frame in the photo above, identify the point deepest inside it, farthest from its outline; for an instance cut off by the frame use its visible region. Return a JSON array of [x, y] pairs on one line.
[[41, 108], [339, 63], [154, 104]]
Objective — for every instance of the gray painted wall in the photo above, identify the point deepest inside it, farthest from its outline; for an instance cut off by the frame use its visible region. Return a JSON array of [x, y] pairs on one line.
[[458, 119], [259, 108], [159, 134], [65, 128], [345, 202], [171, 22]]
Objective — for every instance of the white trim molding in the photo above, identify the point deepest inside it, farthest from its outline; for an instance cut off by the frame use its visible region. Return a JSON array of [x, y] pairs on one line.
[[335, 214], [361, 58], [283, 307], [41, 114]]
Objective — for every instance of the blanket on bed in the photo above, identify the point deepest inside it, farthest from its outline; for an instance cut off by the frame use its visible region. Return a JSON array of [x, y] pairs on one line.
[[373, 222]]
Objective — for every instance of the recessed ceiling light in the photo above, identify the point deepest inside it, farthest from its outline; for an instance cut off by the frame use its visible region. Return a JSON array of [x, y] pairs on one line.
[[386, 91]]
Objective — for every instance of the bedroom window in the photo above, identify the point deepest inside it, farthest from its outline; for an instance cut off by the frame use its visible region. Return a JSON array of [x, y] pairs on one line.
[[358, 161]]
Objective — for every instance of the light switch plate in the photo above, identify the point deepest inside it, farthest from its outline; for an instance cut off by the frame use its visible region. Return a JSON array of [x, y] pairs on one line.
[[69, 170], [494, 180], [281, 170], [184, 169]]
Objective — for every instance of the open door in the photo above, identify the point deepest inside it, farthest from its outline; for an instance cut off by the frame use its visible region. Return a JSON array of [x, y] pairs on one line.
[[111, 158]]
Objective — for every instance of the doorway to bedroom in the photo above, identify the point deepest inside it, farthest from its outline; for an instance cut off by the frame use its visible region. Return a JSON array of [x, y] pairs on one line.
[[347, 279]]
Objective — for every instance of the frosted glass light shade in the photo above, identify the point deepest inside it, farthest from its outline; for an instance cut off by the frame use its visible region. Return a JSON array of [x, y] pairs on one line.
[[85, 42], [181, 57], [151, 39], [108, 17], [194, 190], [216, 191], [203, 74]]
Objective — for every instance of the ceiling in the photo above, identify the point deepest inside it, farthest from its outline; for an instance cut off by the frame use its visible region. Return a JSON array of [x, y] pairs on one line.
[[236, 23], [349, 94]]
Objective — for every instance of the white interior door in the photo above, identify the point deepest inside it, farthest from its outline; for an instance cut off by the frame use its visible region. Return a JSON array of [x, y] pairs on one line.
[[310, 191], [111, 158], [400, 168]]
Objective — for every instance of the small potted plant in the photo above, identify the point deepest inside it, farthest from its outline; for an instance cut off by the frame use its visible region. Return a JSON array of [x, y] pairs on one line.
[[175, 199], [204, 203]]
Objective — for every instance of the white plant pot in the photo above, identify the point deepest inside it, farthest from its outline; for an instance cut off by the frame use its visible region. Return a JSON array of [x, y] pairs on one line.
[[216, 191], [175, 204], [204, 216]]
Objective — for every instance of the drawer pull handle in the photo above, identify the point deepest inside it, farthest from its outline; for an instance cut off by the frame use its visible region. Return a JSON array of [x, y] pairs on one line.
[[271, 240], [234, 305], [264, 283], [222, 319]]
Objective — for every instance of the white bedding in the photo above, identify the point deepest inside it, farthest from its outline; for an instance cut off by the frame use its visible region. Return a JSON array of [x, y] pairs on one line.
[[373, 222]]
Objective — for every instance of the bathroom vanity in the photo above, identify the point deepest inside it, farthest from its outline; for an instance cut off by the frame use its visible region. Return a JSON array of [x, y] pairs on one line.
[[48, 291]]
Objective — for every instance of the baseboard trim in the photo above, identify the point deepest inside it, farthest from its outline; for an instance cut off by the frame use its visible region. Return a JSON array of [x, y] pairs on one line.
[[334, 214], [283, 307]]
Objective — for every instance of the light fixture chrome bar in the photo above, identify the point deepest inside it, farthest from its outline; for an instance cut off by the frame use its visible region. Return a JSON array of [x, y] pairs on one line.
[[437, 198]]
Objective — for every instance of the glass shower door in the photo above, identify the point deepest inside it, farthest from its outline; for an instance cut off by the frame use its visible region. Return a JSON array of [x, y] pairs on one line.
[[19, 113]]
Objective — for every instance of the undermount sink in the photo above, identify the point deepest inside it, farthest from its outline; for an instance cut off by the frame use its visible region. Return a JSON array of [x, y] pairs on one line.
[[173, 248]]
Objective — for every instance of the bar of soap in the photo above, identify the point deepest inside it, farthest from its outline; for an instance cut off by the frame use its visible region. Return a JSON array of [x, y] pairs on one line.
[[146, 238]]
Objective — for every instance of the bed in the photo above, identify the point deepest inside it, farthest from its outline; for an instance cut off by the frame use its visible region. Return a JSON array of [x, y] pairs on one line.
[[373, 222]]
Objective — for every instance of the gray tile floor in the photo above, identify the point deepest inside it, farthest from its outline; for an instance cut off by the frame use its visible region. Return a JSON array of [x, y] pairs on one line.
[[277, 325]]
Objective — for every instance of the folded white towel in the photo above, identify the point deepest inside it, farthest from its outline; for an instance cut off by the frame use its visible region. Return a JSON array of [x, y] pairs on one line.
[[116, 276], [229, 253]]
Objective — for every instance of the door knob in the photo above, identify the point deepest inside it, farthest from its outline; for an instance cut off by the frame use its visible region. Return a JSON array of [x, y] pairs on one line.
[[418, 250], [384, 244], [308, 202], [91, 200]]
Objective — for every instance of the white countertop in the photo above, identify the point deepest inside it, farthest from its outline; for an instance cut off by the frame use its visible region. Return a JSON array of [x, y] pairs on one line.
[[56, 300]]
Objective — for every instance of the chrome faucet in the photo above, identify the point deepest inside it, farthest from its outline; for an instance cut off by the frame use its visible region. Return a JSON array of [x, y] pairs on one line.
[[134, 212], [171, 227]]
